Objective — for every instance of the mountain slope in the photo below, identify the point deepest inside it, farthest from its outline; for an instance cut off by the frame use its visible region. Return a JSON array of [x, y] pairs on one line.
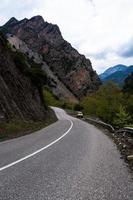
[[54, 84], [128, 84], [19, 97], [112, 70], [71, 68], [116, 74]]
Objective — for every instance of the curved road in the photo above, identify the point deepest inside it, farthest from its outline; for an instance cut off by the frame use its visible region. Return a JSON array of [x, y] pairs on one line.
[[69, 160]]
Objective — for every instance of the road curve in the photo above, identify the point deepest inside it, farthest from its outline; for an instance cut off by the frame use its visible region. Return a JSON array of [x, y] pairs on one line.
[[69, 160]]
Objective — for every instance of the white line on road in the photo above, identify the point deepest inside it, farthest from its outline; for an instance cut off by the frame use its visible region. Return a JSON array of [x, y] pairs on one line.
[[38, 151]]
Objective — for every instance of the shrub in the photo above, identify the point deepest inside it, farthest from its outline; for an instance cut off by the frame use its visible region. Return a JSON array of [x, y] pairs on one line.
[[20, 61], [105, 103], [78, 107], [122, 117], [51, 99]]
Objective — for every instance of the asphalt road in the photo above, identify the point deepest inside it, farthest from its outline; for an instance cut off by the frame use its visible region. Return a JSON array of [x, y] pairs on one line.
[[69, 160]]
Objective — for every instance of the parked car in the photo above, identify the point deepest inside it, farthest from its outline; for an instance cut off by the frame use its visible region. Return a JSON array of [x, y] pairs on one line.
[[79, 114]]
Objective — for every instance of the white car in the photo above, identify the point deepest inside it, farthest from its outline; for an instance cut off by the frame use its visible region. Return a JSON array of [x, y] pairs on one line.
[[79, 114]]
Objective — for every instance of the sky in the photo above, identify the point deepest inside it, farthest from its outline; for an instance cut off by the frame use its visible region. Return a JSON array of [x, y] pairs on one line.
[[102, 30]]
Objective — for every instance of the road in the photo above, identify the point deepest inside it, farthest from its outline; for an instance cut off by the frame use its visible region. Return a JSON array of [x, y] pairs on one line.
[[69, 160]]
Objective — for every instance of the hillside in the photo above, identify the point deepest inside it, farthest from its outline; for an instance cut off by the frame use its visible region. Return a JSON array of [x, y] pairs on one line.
[[117, 74], [112, 70], [19, 94], [62, 63], [128, 85]]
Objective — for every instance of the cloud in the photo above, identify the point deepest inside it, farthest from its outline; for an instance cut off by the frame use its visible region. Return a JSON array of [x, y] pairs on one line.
[[100, 55], [126, 50], [96, 28]]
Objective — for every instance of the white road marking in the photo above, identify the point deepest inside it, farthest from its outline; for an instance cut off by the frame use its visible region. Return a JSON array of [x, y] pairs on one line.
[[38, 151]]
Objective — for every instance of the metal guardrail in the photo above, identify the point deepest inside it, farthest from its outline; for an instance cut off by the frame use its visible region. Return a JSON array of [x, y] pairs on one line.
[[126, 130], [103, 124]]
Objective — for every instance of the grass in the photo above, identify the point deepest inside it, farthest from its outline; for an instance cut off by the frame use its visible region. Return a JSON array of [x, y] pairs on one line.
[[16, 127], [52, 100]]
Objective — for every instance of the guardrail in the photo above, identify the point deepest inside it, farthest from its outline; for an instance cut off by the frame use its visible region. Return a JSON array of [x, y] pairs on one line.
[[103, 124], [126, 130]]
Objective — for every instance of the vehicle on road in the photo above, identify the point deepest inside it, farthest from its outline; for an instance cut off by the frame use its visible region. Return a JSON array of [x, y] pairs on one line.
[[79, 114]]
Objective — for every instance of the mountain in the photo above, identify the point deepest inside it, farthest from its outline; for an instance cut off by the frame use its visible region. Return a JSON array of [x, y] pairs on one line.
[[116, 74], [112, 70], [128, 84], [71, 73], [19, 96]]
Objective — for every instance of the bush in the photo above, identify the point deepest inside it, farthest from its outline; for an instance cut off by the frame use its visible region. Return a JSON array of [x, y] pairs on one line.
[[128, 85], [51, 99], [105, 103], [37, 76], [78, 107], [17, 127], [122, 118], [20, 61]]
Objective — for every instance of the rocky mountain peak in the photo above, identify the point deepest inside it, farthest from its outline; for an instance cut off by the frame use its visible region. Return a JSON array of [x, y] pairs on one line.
[[11, 22], [38, 18], [72, 68], [36, 21]]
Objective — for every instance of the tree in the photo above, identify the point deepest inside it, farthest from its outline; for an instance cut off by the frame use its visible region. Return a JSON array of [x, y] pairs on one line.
[[122, 117], [78, 107], [109, 98], [128, 85], [89, 105], [105, 103]]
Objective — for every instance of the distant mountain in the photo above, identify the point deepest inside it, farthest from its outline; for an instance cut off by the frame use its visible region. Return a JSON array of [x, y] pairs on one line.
[[112, 70], [117, 74]]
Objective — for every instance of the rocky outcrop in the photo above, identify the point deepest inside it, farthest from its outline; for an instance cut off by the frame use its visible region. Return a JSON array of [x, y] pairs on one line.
[[19, 97], [71, 68], [54, 84]]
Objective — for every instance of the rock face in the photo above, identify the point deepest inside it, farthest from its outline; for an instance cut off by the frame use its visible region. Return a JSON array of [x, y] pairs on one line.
[[71, 68], [19, 98], [54, 84]]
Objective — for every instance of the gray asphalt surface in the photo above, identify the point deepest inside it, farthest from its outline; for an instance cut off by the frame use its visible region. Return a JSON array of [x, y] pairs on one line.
[[83, 165]]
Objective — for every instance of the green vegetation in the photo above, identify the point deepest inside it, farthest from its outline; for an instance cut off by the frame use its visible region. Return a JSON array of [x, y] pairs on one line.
[[20, 61], [78, 107], [111, 105], [32, 70], [17, 127], [52, 100], [128, 86], [122, 117]]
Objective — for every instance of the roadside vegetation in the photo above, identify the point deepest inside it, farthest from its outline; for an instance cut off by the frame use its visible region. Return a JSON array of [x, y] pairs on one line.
[[16, 127], [111, 104], [52, 100]]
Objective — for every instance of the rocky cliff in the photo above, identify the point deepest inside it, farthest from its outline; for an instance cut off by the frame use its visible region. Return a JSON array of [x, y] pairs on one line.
[[19, 97], [45, 39]]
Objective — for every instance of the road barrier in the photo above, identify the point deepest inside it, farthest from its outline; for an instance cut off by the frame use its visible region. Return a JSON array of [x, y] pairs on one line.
[[126, 130], [100, 123]]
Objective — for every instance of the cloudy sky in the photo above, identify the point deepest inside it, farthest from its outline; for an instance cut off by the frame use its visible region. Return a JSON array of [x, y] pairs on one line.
[[102, 30]]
